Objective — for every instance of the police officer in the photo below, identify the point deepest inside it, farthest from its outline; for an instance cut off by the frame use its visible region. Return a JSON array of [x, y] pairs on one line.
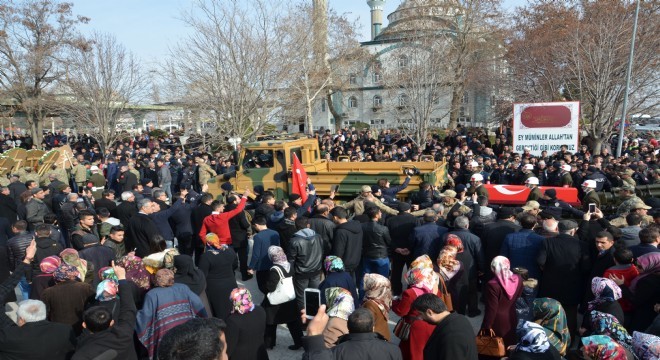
[[602, 183]]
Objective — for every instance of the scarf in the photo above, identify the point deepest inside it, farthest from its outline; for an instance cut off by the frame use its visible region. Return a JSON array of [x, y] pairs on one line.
[[604, 290], [70, 257], [501, 267], [648, 264], [421, 262], [340, 302], [241, 300], [551, 316], [606, 324], [65, 272], [278, 257], [455, 241], [532, 338], [378, 289], [421, 279], [646, 346], [186, 273], [602, 347], [447, 262], [135, 271], [106, 290], [107, 273], [49, 264], [333, 264], [213, 242]]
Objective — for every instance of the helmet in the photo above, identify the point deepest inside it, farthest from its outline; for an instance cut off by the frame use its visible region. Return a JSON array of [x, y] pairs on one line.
[[532, 180], [566, 168], [477, 177], [529, 166], [589, 183]]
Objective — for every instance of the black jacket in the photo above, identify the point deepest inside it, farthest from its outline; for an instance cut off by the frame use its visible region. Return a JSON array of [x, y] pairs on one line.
[[375, 240], [306, 252], [119, 337], [124, 212], [363, 346], [493, 238], [401, 226], [565, 262], [347, 244], [16, 248], [324, 228], [286, 229], [138, 232], [105, 203], [238, 225], [45, 247], [453, 338], [8, 208]]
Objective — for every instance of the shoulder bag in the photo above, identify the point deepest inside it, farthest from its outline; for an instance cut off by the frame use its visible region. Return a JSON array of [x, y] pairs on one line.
[[490, 345], [284, 291]]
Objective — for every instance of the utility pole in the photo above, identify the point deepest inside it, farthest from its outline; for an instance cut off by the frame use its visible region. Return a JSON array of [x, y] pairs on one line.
[[619, 148]]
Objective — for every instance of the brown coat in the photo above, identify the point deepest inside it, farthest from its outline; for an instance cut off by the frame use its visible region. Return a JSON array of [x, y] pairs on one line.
[[336, 328], [65, 302], [380, 322]]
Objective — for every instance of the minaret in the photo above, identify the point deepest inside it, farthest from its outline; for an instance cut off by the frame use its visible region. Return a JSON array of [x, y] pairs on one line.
[[376, 16], [320, 30]]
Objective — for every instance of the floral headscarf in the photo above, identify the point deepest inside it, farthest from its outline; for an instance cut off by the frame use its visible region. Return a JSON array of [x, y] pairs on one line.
[[213, 241], [378, 289], [606, 324], [70, 257], [164, 278], [241, 299], [135, 271], [333, 264], [501, 267], [552, 317], [340, 302], [421, 262], [278, 257], [106, 290], [447, 262], [602, 347], [532, 338], [421, 278], [65, 272], [646, 346], [648, 264], [455, 241], [604, 290], [49, 264], [107, 273]]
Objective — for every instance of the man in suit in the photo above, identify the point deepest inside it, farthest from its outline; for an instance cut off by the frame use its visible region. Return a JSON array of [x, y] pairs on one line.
[[107, 200], [126, 209], [140, 229], [494, 235], [401, 226], [8, 206]]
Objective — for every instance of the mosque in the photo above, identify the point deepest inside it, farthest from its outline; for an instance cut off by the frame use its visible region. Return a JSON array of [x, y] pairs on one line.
[[367, 99]]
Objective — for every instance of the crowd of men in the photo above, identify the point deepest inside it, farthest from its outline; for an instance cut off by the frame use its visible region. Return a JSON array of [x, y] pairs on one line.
[[111, 205]]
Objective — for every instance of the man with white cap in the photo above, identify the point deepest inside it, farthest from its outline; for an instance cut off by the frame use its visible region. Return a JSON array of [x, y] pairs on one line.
[[590, 195], [533, 184], [98, 182], [526, 173], [565, 179], [477, 186]]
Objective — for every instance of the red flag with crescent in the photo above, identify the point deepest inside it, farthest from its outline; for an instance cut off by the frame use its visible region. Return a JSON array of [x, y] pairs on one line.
[[298, 179]]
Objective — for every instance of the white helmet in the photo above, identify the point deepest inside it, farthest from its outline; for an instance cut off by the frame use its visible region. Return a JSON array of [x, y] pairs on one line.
[[529, 166], [566, 168], [589, 183], [532, 180], [477, 177], [474, 163]]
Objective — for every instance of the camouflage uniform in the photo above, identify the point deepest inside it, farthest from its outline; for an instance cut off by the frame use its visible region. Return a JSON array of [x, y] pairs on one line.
[[626, 205], [134, 172], [31, 175], [61, 174], [79, 173], [357, 205], [205, 173], [621, 221]]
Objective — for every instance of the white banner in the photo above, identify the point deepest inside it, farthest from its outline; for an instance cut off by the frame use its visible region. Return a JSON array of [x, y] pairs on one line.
[[546, 127]]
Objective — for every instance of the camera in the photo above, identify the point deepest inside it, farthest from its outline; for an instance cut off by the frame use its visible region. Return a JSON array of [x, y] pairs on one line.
[[411, 171]]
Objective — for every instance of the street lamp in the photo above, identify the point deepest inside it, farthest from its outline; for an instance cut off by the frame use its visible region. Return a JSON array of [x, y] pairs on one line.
[[619, 148]]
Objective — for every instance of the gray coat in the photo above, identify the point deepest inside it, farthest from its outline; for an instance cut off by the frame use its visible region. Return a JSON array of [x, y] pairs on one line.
[[164, 175]]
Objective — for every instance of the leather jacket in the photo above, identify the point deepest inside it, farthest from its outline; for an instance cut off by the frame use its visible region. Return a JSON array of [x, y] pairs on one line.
[[306, 252], [375, 240]]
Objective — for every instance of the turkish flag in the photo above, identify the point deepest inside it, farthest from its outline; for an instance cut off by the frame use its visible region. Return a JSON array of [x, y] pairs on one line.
[[298, 179]]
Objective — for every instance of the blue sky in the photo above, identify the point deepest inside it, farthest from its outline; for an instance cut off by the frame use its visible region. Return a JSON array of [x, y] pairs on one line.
[[148, 27]]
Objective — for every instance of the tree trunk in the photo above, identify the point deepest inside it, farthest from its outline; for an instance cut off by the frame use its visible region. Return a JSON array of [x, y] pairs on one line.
[[308, 120], [39, 133], [598, 144], [456, 99], [333, 111]]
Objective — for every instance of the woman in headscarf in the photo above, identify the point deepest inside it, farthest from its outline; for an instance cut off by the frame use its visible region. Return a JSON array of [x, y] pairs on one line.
[[643, 291], [165, 306], [136, 272], [533, 344], [378, 300], [285, 313], [70, 256], [44, 280], [646, 346], [551, 316], [340, 306], [160, 257], [67, 299], [421, 280], [336, 276], [218, 263], [106, 296], [606, 324], [501, 293], [246, 326], [606, 296], [602, 347], [459, 283], [450, 271], [185, 272]]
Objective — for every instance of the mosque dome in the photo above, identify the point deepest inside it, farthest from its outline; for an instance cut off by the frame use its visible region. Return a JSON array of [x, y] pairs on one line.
[[419, 17]]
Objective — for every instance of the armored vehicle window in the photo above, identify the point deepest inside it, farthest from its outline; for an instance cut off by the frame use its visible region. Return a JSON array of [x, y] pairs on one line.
[[297, 152], [258, 159]]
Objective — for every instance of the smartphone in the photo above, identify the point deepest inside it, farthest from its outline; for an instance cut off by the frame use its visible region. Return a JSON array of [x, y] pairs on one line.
[[334, 188], [312, 302], [592, 208]]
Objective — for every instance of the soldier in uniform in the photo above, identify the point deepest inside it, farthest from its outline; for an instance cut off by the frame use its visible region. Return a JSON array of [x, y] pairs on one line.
[[60, 173], [477, 186], [134, 171], [78, 175], [590, 195], [204, 172], [533, 183], [566, 180], [637, 207], [527, 172], [626, 177], [627, 194], [98, 182]]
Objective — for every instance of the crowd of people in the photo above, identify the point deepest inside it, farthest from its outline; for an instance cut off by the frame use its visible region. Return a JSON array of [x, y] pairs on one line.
[[127, 255]]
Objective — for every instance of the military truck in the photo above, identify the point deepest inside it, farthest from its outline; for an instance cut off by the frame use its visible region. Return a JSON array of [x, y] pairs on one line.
[[268, 163]]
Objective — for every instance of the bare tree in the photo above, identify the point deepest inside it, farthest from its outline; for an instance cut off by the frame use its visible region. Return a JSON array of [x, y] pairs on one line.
[[34, 37], [232, 65], [589, 60], [101, 82]]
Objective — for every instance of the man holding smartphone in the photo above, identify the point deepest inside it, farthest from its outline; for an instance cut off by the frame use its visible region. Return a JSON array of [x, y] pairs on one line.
[[590, 195]]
